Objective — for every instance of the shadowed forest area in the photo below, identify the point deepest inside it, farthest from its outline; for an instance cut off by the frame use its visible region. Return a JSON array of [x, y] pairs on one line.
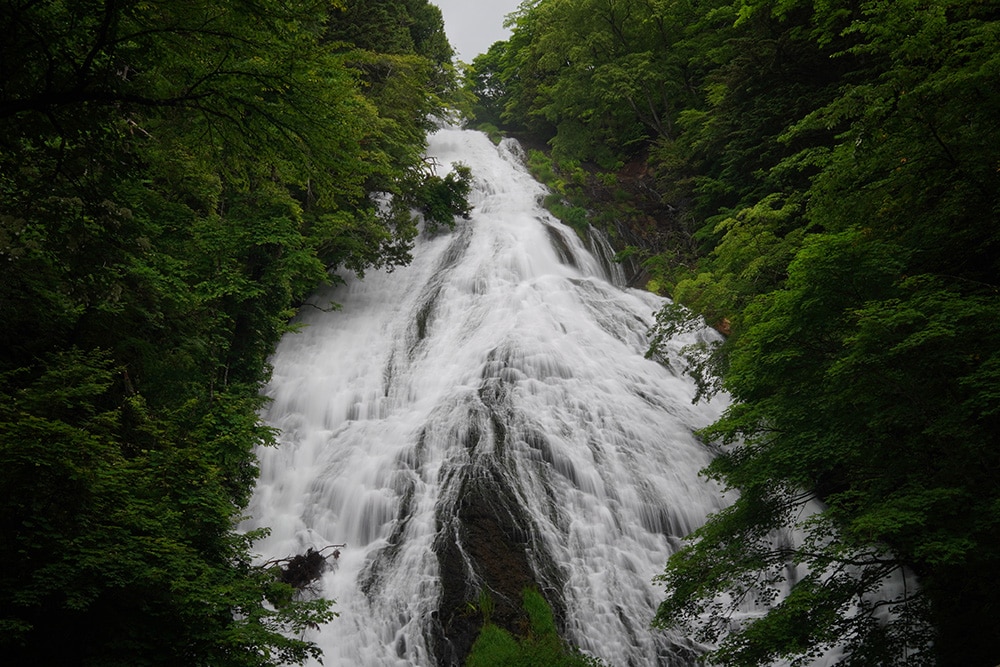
[[174, 178], [821, 182]]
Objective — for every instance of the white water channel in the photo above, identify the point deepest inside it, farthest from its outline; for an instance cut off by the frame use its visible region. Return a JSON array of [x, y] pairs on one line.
[[505, 348]]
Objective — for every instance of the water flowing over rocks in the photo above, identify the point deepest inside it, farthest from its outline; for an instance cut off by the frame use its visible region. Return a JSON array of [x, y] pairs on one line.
[[481, 421]]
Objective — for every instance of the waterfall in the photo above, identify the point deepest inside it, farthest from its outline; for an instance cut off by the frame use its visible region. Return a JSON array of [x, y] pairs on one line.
[[484, 419]]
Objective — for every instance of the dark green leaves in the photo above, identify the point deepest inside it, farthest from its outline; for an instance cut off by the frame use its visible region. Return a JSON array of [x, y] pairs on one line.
[[827, 194], [441, 200], [175, 177]]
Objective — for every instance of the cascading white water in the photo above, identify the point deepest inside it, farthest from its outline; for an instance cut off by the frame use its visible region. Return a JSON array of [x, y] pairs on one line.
[[502, 369]]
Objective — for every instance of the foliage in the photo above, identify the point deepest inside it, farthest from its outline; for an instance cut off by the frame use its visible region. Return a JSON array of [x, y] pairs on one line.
[[120, 531], [441, 200], [484, 80], [565, 180], [853, 375], [751, 256], [832, 204], [174, 178], [605, 76], [491, 131], [704, 360], [540, 645]]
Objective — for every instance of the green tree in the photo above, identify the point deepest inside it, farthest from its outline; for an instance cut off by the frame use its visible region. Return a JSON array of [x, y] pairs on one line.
[[863, 377], [832, 204], [485, 80], [607, 76], [174, 178], [540, 645]]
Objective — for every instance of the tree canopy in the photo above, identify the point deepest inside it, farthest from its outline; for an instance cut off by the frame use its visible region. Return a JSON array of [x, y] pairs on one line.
[[174, 178], [826, 190]]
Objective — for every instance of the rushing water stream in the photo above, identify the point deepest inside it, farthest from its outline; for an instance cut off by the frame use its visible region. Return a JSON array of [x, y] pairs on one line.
[[484, 419]]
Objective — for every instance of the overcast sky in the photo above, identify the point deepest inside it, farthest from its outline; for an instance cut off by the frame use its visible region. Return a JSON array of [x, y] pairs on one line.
[[473, 25]]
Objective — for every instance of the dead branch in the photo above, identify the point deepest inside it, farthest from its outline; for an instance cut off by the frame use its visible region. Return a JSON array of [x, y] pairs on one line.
[[300, 570]]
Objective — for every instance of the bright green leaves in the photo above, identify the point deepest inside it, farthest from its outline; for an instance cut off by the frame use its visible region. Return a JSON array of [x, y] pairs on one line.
[[862, 375], [779, 365], [401, 58], [363, 239], [602, 77], [540, 645], [751, 257], [855, 381]]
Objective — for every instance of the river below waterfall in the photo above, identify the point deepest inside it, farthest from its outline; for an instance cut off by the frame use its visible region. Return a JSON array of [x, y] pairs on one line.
[[482, 420]]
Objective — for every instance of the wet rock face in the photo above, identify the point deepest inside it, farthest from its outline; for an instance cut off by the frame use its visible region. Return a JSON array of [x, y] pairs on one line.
[[486, 539], [481, 547], [484, 545]]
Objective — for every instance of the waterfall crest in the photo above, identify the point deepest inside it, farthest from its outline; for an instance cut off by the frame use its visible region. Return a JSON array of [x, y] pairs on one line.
[[484, 419]]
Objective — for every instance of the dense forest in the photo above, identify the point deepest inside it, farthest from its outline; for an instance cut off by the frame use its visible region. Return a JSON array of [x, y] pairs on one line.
[[175, 176], [821, 182]]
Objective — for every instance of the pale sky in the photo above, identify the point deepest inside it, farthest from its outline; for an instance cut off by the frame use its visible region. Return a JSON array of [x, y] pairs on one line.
[[473, 25]]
